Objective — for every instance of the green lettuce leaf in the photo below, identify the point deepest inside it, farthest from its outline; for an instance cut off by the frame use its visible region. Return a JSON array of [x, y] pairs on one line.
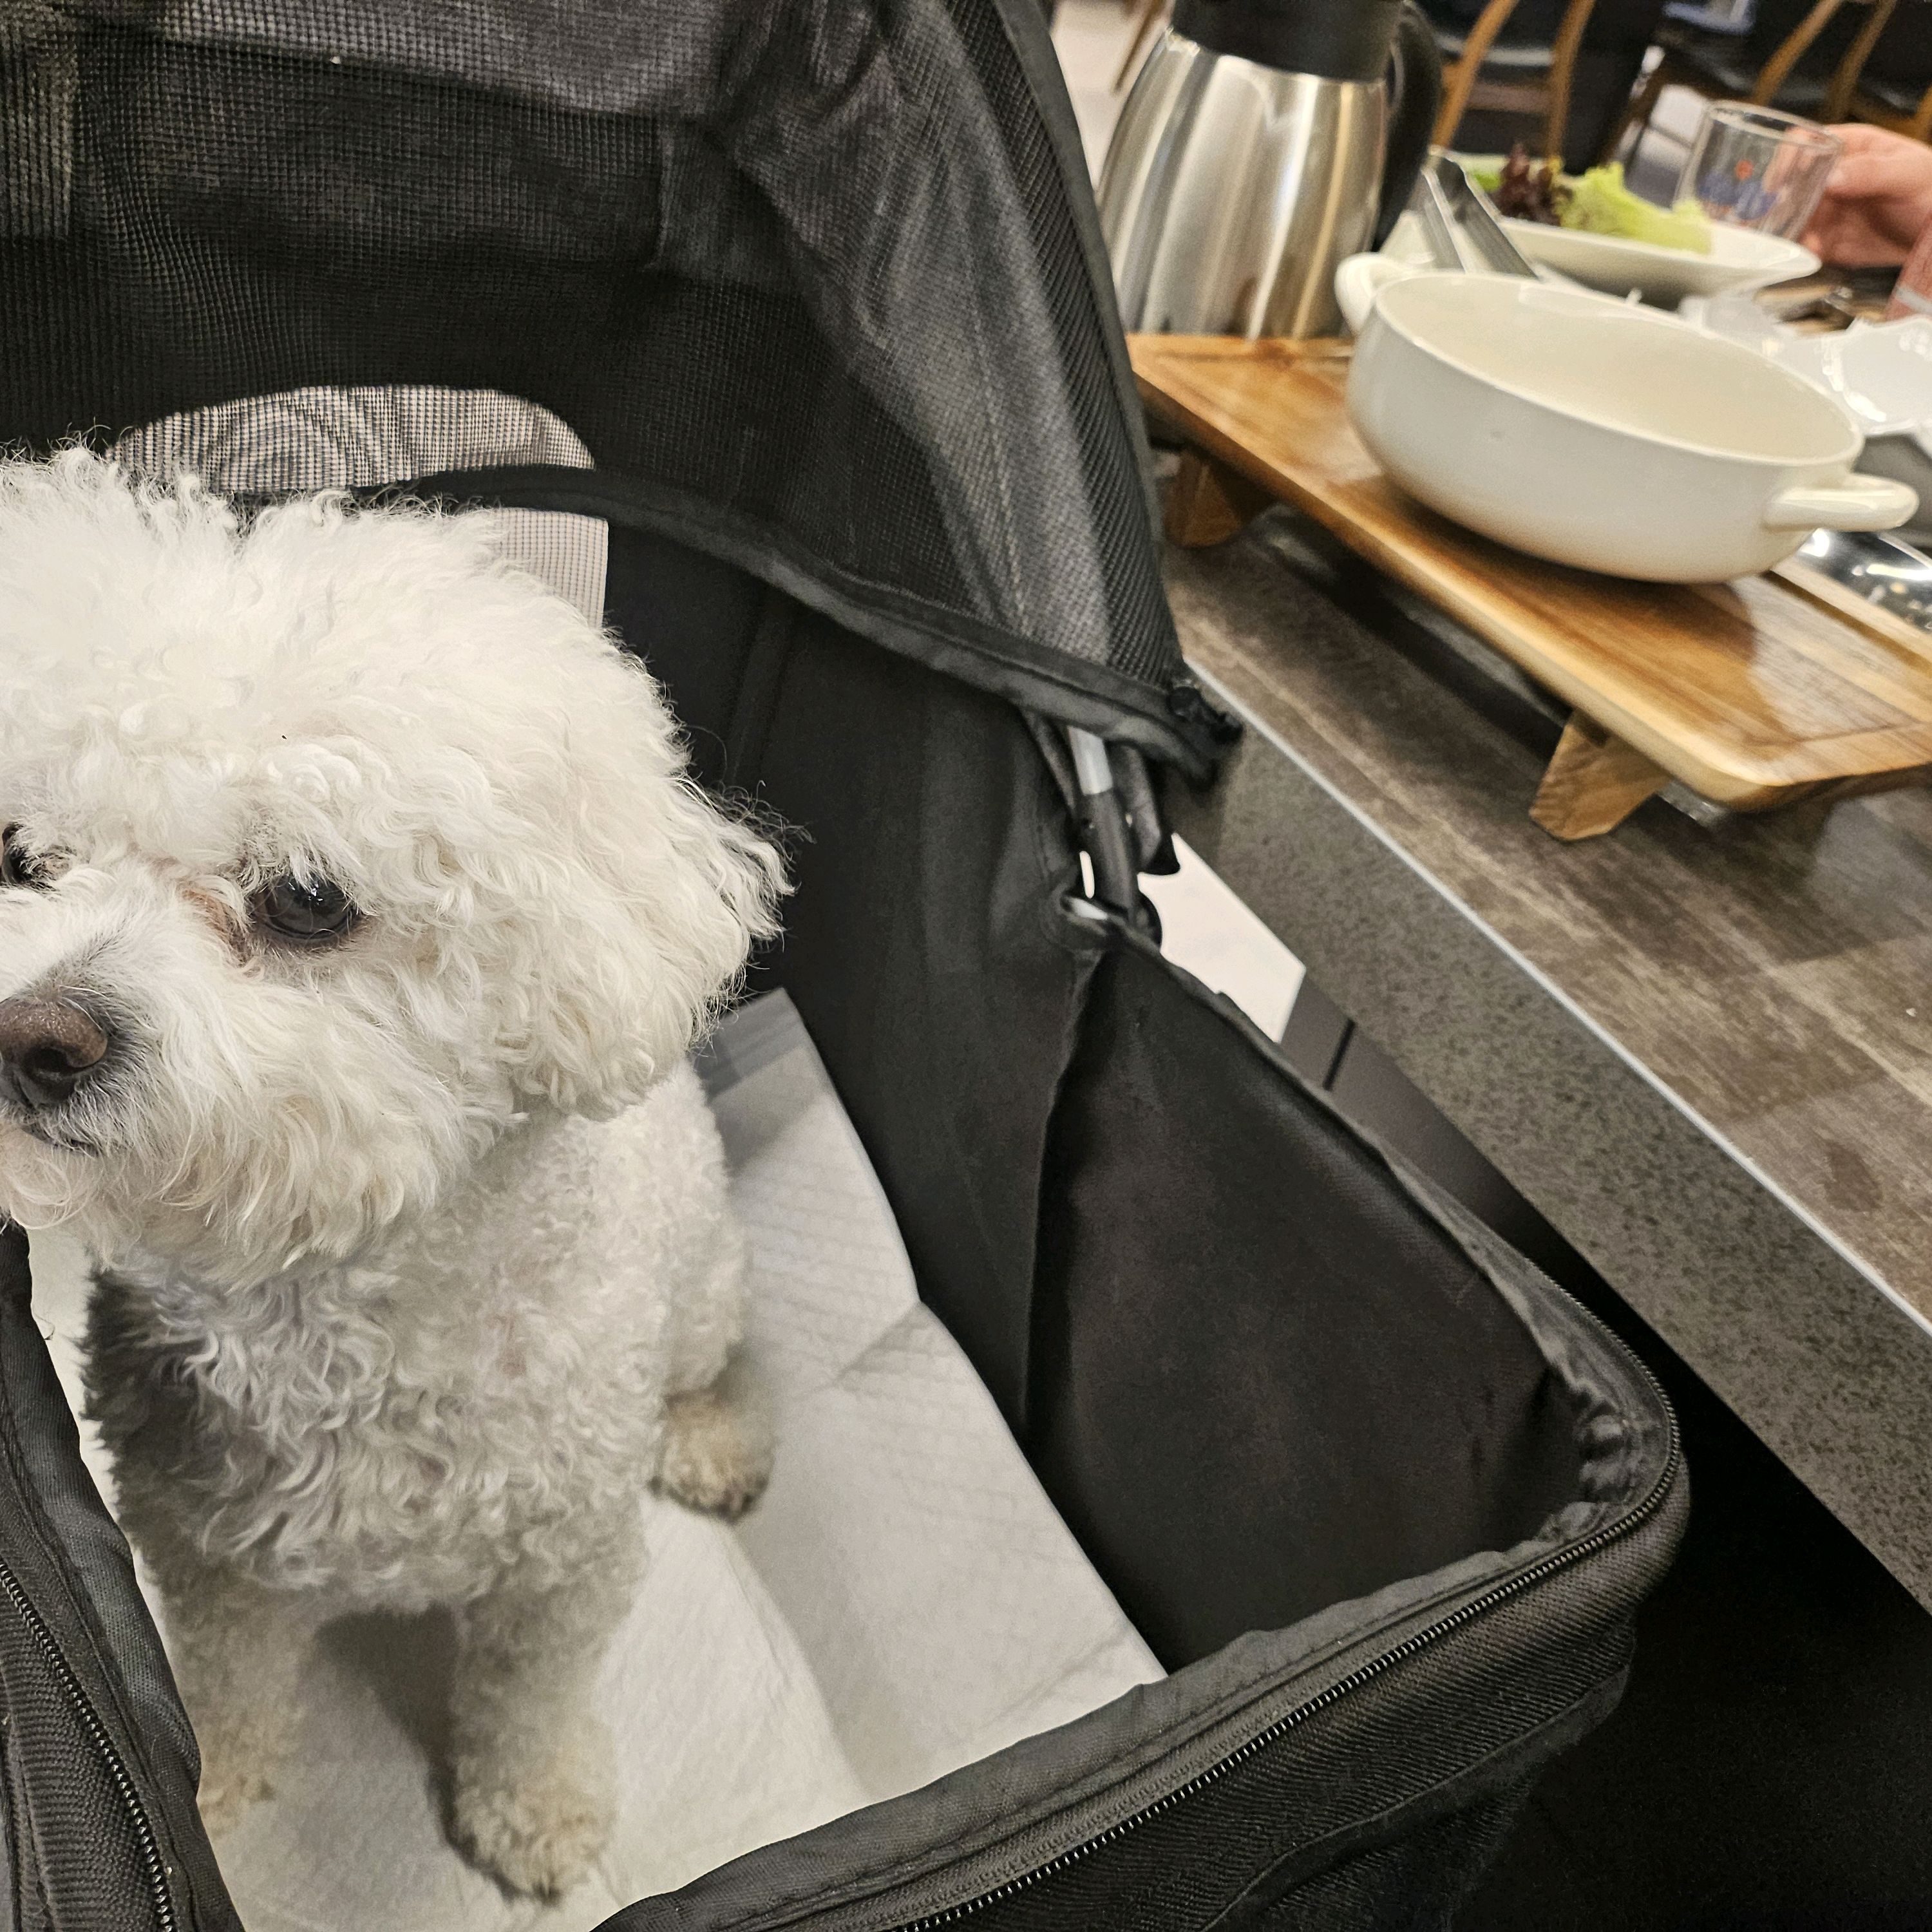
[[1598, 203]]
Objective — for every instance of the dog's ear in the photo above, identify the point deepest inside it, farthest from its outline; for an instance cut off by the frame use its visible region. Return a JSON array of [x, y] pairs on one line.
[[659, 895]]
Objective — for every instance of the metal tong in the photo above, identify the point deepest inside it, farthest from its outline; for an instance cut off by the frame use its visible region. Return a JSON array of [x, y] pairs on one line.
[[1461, 228]]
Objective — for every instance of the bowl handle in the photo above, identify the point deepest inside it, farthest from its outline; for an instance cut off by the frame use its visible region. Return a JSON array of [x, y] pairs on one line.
[[1859, 503], [1360, 278]]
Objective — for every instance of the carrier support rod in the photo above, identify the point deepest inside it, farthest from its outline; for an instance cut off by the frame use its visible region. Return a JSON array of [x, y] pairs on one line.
[[1103, 825]]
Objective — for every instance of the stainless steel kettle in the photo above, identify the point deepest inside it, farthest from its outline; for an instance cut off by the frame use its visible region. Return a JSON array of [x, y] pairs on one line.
[[1263, 143]]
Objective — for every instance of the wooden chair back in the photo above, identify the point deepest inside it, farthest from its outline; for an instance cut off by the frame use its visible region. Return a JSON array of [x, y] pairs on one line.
[[1677, 68], [1548, 94]]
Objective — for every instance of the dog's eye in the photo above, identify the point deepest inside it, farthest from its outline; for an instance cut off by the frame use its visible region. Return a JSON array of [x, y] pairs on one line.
[[305, 909], [18, 866]]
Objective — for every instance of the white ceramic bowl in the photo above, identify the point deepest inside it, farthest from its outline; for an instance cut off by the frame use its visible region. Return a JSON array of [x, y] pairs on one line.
[[1597, 433], [1741, 259]]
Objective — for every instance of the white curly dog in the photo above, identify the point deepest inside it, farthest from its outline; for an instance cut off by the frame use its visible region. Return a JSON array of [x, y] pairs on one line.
[[357, 918]]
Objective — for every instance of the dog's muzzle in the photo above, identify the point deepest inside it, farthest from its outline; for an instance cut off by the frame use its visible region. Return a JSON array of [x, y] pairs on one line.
[[48, 1050]]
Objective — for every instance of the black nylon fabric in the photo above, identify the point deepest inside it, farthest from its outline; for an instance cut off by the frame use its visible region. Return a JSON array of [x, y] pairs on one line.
[[99, 1763], [1363, 1765], [722, 240], [77, 1860], [924, 945], [1260, 1364], [1381, 1887]]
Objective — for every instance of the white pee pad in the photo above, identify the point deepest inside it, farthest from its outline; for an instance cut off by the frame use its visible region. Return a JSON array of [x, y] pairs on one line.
[[903, 1601]]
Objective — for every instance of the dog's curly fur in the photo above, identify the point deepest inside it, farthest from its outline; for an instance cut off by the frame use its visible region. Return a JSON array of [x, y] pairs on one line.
[[415, 1254]]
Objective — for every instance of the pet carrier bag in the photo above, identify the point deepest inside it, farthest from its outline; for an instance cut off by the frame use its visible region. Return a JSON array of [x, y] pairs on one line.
[[783, 328]]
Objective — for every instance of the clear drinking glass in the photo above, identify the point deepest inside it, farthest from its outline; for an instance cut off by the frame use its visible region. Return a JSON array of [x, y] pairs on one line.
[[1756, 168]]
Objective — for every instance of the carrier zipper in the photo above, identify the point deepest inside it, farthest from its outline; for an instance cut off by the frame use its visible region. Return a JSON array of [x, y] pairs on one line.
[[151, 1860], [1560, 1559]]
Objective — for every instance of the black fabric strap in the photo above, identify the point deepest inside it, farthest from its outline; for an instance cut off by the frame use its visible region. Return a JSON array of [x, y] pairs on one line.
[[1184, 731]]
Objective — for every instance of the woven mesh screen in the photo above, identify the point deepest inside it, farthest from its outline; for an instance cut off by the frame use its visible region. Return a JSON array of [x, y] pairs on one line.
[[814, 267]]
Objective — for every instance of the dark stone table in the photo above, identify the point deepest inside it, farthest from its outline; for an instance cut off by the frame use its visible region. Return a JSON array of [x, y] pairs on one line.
[[1703, 1051]]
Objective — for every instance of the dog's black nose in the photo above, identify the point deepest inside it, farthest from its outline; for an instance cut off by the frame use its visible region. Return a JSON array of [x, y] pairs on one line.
[[47, 1048]]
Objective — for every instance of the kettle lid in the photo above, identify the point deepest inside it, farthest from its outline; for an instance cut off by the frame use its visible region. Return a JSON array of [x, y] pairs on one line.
[[1338, 39]]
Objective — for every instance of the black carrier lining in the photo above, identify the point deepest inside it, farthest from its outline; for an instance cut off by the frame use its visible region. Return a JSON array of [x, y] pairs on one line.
[[820, 288], [1257, 1375], [1263, 1367]]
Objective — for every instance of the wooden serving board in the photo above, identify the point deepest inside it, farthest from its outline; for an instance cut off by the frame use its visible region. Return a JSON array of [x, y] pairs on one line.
[[1753, 693]]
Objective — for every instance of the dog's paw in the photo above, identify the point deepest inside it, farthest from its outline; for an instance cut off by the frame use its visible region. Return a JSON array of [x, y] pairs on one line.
[[716, 1457], [538, 1833], [244, 1749], [229, 1785]]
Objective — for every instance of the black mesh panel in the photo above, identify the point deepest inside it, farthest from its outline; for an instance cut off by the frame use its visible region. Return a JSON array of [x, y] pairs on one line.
[[814, 267]]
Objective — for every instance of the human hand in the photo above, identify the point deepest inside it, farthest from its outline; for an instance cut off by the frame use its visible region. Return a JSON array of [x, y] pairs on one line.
[[1879, 198]]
